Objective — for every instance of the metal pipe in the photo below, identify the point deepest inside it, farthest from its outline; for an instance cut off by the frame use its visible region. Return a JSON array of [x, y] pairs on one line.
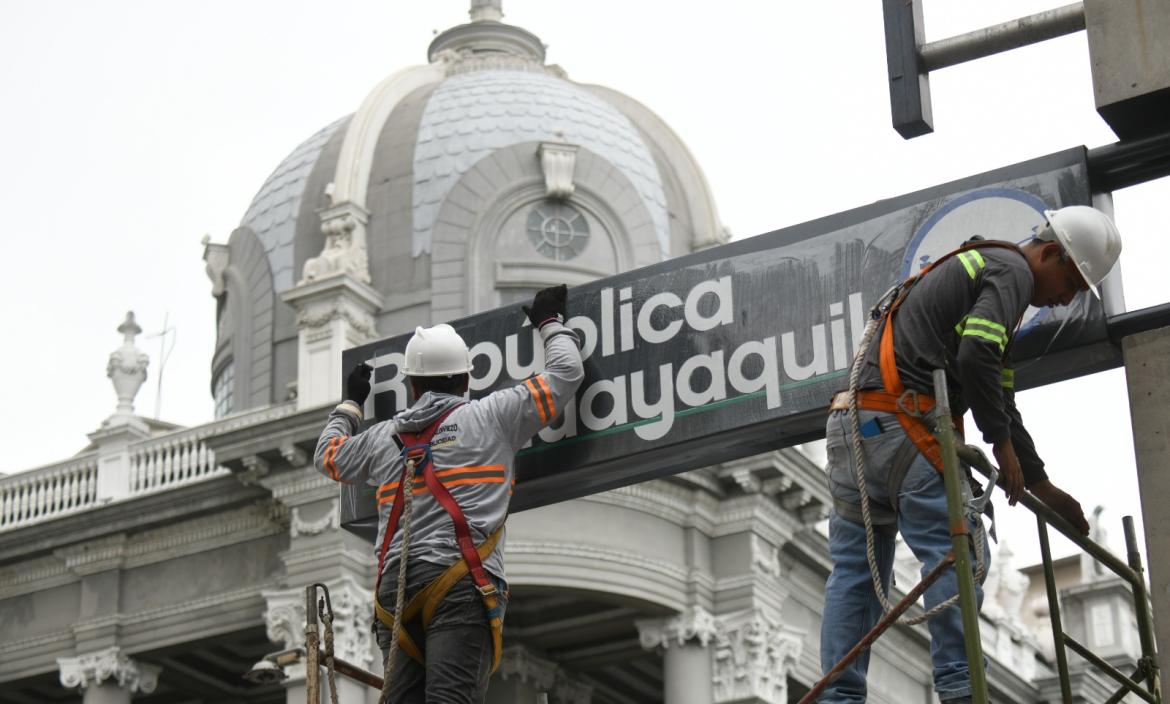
[[358, 674], [1138, 674], [312, 675], [960, 538], [1054, 613], [1108, 669], [1141, 607], [976, 459], [1003, 37], [882, 626]]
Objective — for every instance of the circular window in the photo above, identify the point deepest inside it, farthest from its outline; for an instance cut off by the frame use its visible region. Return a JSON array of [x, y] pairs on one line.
[[557, 230]]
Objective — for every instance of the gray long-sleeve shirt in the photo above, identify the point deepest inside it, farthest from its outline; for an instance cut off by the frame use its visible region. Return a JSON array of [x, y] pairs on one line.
[[474, 453], [961, 317]]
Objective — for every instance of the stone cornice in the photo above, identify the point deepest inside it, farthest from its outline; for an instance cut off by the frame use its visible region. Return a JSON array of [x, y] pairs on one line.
[[34, 575], [94, 556], [108, 664], [301, 486], [206, 533], [194, 605]]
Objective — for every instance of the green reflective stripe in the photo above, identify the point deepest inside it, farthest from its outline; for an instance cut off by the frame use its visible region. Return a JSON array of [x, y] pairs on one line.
[[987, 324], [1009, 379], [972, 261], [967, 264], [959, 328], [997, 339]]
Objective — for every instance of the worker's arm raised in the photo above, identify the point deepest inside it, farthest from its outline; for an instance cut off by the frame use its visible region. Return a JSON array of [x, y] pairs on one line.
[[534, 403], [341, 454]]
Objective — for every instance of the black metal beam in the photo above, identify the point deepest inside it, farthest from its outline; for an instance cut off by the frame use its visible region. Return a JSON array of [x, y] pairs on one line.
[[909, 81]]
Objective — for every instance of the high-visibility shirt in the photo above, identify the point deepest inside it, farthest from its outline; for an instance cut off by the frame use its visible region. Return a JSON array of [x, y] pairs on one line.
[[474, 453], [961, 317]]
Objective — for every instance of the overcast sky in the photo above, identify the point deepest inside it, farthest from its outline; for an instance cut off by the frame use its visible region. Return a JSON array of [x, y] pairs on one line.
[[132, 129]]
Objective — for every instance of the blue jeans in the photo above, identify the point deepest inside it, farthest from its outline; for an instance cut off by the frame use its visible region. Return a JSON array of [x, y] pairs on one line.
[[851, 606], [457, 645]]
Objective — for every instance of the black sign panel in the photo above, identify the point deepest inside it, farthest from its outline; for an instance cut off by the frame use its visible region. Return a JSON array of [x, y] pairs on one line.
[[737, 350]]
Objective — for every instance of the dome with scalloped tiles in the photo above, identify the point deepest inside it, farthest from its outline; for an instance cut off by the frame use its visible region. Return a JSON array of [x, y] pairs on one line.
[[457, 186]]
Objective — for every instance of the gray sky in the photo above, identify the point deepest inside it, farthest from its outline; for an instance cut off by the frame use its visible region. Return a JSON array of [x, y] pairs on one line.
[[131, 129]]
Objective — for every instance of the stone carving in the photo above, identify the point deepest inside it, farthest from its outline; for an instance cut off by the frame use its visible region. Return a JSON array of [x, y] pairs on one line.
[[353, 612], [344, 226], [127, 368], [557, 160], [489, 10], [319, 316], [108, 664], [694, 623], [215, 258], [753, 654], [517, 662], [765, 557], [331, 519]]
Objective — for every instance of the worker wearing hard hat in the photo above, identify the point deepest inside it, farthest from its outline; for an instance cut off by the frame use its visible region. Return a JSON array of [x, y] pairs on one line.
[[444, 469], [960, 315]]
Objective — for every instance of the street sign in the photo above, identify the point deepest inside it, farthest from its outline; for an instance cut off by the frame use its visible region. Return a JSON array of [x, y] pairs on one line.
[[736, 350]]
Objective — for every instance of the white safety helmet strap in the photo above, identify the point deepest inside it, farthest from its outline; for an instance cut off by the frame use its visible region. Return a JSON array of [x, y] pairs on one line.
[[436, 351]]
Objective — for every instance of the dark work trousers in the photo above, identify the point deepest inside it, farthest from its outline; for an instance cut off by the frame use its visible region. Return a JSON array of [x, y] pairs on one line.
[[457, 645]]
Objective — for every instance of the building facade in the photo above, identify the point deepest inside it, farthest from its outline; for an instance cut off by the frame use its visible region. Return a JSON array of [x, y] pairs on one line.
[[161, 563]]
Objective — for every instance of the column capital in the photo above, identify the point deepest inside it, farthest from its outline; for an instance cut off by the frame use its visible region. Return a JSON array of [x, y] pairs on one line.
[[694, 623], [353, 610], [753, 654], [111, 664]]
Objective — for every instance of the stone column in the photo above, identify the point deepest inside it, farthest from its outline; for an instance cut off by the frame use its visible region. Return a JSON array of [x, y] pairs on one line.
[[333, 314], [107, 676], [686, 658], [1147, 373], [753, 654]]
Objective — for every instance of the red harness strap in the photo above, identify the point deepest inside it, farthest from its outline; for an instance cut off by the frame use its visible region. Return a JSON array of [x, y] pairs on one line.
[[416, 447]]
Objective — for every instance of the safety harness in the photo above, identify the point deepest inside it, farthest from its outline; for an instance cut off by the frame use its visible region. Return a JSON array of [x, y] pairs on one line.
[[909, 407], [417, 460]]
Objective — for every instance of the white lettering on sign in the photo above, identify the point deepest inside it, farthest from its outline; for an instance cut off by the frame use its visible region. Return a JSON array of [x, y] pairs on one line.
[[652, 398]]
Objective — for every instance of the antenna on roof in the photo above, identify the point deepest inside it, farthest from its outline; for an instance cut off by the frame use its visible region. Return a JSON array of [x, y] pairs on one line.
[[164, 353]]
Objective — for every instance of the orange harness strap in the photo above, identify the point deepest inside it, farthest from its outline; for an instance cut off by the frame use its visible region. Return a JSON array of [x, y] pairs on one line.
[[894, 397]]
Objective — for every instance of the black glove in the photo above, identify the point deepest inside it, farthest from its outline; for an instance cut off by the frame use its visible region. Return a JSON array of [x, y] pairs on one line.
[[548, 304], [357, 384]]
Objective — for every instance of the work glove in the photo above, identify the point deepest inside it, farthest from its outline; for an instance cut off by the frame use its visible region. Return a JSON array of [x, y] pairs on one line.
[[547, 305], [357, 384]]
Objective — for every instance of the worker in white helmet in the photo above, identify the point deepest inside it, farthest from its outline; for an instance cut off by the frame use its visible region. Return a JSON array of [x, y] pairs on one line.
[[959, 314], [444, 469]]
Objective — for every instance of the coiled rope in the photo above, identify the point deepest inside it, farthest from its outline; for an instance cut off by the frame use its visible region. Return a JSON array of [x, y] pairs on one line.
[[400, 595], [877, 314]]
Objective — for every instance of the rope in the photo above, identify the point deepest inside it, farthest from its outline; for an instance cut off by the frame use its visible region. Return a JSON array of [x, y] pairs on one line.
[[327, 619], [877, 314], [400, 594]]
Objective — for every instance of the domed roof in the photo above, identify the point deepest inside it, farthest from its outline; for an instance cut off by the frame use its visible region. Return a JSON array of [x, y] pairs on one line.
[[440, 193], [471, 115], [273, 212]]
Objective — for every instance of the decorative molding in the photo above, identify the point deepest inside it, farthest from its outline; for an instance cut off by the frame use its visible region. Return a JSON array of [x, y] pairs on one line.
[[331, 519], [215, 257], [194, 605], [557, 160], [94, 556], [344, 227], [602, 556], [255, 469], [516, 661], [353, 612], [307, 481], [694, 623], [765, 557], [294, 455], [34, 575], [109, 664], [753, 655]]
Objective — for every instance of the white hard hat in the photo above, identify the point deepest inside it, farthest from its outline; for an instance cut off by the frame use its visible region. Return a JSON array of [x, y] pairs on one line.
[[436, 351], [1090, 238]]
